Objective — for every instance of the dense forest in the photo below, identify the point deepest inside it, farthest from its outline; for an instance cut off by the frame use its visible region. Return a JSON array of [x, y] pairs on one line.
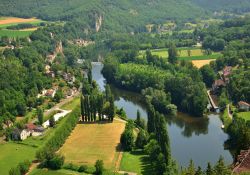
[[226, 5], [117, 15]]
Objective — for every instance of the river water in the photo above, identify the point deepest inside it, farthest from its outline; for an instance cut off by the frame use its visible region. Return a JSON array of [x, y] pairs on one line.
[[199, 139]]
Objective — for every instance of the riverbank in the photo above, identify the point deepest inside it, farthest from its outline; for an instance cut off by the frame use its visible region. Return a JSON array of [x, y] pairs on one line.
[[189, 136]]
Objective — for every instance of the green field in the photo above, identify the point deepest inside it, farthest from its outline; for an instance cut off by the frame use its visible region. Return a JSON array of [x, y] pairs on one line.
[[183, 54], [14, 33], [51, 172], [137, 162], [245, 115], [12, 153], [72, 104], [64, 172]]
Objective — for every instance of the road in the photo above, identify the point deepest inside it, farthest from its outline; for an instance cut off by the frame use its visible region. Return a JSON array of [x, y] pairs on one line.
[[58, 105]]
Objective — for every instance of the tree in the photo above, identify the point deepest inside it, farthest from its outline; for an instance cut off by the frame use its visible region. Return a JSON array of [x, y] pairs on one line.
[[52, 121], [223, 100], [111, 108], [220, 168], [99, 166], [14, 171], [191, 168], [198, 171], [172, 54], [141, 139], [152, 149], [58, 96], [40, 116], [24, 167], [161, 164], [209, 170], [139, 121], [127, 139], [208, 75], [56, 162]]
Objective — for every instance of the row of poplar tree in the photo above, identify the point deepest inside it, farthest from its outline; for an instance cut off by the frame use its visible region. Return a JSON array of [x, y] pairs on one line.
[[96, 105]]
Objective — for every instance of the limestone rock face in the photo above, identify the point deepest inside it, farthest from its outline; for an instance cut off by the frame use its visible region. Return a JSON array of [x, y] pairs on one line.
[[98, 23]]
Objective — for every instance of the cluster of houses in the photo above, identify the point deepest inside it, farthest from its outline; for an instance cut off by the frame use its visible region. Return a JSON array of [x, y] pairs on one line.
[[29, 130], [69, 78], [223, 82], [48, 93]]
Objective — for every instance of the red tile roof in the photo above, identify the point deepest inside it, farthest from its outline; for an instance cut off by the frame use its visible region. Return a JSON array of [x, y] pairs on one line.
[[243, 103], [30, 126]]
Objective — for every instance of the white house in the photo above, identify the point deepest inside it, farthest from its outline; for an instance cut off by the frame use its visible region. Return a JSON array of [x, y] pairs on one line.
[[24, 134], [244, 106]]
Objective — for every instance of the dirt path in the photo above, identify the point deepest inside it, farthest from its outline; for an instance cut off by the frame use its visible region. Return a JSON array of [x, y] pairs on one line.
[[57, 106], [32, 167]]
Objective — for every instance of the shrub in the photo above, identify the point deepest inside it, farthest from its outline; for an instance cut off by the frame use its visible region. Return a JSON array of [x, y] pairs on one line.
[[82, 168], [56, 162], [21, 169], [99, 167]]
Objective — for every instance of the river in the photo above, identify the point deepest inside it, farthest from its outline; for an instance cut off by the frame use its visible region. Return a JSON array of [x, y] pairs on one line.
[[199, 139]]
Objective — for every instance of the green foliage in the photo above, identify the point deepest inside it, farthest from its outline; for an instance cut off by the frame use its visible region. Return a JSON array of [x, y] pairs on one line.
[[172, 54], [21, 169], [139, 121], [239, 85], [239, 134], [123, 16], [52, 122], [220, 168], [40, 116], [99, 166], [141, 139], [55, 162], [208, 75], [127, 137]]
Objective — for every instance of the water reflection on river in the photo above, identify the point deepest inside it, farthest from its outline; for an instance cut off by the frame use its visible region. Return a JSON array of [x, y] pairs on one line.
[[200, 139]]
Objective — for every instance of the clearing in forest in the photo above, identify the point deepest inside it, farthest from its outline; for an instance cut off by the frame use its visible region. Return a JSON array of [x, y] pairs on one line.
[[200, 63], [92, 141], [13, 20]]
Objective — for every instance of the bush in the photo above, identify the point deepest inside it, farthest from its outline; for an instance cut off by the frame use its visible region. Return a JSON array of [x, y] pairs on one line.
[[56, 162], [141, 139], [24, 167], [21, 169], [14, 171], [127, 137], [82, 168], [99, 167]]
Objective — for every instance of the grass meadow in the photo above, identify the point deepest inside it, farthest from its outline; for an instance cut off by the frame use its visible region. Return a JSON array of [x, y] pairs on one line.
[[92, 141], [245, 115], [137, 162]]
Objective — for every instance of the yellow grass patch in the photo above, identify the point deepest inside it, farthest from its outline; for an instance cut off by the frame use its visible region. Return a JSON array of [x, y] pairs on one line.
[[30, 29], [11, 20], [90, 142], [200, 63]]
